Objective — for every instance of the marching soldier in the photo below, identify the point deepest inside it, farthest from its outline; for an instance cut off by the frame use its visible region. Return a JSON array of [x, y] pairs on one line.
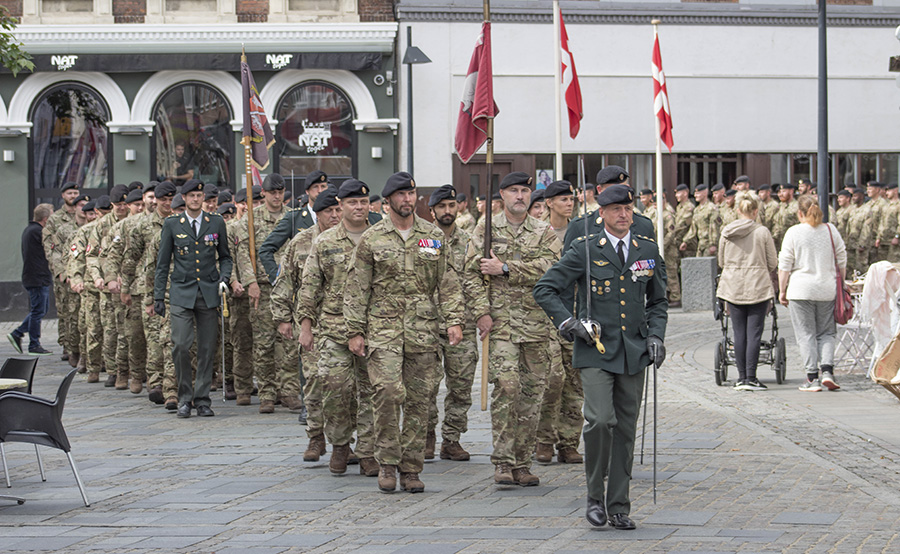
[[459, 361], [284, 293], [727, 211], [347, 391], [845, 207], [398, 269], [768, 206], [560, 417], [628, 298], [196, 244], [684, 215], [704, 228], [670, 246], [875, 209], [82, 284], [523, 249], [786, 217], [57, 237], [858, 258]]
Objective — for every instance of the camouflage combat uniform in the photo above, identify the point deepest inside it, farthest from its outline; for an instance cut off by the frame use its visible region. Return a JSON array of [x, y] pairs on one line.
[[784, 220], [704, 230], [390, 301], [519, 350], [347, 393], [135, 362], [56, 238], [77, 271], [240, 335], [108, 312]]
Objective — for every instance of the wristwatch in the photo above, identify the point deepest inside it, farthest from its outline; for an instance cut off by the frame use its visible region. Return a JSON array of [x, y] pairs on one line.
[[505, 269]]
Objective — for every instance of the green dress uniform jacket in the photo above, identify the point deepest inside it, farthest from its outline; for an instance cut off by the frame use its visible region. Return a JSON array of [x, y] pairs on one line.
[[628, 301], [194, 260], [642, 225]]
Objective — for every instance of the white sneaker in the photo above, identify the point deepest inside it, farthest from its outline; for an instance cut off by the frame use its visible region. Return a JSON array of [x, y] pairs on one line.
[[828, 381], [811, 386]]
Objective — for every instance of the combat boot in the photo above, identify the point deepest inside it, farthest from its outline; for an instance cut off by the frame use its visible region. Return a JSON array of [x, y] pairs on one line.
[[229, 391], [387, 478], [93, 377], [525, 478], [81, 368], [544, 453], [569, 455], [338, 462], [110, 380], [315, 449], [74, 360], [243, 400], [171, 403], [430, 441], [451, 450], [503, 475], [292, 403], [368, 467], [122, 381], [267, 406], [155, 395], [411, 482], [136, 385], [352, 459]]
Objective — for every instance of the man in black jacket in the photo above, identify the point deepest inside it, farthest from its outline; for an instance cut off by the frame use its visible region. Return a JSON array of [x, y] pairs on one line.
[[36, 279]]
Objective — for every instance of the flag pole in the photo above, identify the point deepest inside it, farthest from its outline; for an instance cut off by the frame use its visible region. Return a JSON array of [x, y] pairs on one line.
[[488, 201], [557, 58], [249, 171], [660, 198]]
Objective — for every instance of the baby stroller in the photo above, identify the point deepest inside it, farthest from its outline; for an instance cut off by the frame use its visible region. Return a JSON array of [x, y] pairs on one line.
[[771, 351]]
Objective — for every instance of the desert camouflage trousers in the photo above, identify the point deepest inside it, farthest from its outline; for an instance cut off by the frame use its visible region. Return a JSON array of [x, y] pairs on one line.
[[561, 418], [459, 366]]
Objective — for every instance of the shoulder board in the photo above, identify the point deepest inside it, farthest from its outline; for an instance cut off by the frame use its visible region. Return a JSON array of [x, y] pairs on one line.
[[646, 238], [592, 235], [174, 215]]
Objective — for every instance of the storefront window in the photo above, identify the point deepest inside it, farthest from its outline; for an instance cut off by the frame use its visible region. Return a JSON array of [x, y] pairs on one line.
[[801, 167], [193, 135], [888, 164], [315, 131], [69, 141]]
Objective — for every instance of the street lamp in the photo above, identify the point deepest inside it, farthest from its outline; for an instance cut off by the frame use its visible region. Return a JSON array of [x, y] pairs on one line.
[[412, 56]]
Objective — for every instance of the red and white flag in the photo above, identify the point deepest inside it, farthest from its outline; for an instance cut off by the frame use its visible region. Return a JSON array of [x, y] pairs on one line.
[[661, 98], [570, 81], [477, 104]]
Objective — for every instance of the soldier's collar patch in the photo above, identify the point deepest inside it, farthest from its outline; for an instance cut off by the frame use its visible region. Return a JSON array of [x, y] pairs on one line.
[[206, 219], [603, 241], [182, 220], [634, 242]]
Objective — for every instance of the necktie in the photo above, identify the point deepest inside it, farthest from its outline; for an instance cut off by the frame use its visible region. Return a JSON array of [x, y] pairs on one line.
[[620, 250], [197, 229]]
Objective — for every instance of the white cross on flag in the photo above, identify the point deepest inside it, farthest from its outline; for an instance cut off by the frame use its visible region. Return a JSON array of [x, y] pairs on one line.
[[661, 98]]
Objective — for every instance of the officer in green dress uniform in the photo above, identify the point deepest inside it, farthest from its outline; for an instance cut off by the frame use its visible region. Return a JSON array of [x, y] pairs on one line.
[[198, 242], [628, 300]]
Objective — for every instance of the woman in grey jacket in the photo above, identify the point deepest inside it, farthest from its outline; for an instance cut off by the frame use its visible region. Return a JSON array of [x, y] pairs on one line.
[[748, 259]]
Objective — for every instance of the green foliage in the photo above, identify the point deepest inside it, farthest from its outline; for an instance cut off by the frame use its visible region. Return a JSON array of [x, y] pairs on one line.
[[11, 54]]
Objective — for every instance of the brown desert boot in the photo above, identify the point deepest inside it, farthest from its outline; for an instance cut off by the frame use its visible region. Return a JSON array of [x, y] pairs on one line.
[[430, 442], [229, 391], [315, 449], [387, 478], [525, 478], [155, 395], [352, 459], [136, 385], [93, 377], [451, 450], [338, 462], [292, 403], [243, 400], [544, 453], [503, 475], [368, 467], [569, 455], [410, 482], [111, 379], [267, 406]]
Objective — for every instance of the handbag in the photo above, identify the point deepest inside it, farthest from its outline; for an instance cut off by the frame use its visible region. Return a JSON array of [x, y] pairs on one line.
[[843, 302]]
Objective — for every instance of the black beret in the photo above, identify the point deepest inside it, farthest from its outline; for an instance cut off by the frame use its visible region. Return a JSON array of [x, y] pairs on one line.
[[134, 196], [876, 184], [151, 185], [166, 188], [226, 196], [257, 192], [559, 188], [118, 193], [536, 196], [444, 192], [682, 186], [178, 201], [616, 194], [226, 208], [210, 192], [88, 207], [646, 192], [191, 185], [240, 196], [480, 197], [103, 203], [81, 197], [731, 192], [891, 186], [850, 185], [612, 175], [398, 181], [813, 185], [375, 198], [69, 185], [516, 178], [742, 179], [353, 188], [496, 196], [718, 187], [791, 186], [316, 176], [326, 199], [287, 195], [273, 181], [135, 185], [461, 197], [700, 188], [844, 192], [765, 186]]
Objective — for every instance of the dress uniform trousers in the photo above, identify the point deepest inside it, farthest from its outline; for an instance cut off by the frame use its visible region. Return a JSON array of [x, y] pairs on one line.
[[183, 321]]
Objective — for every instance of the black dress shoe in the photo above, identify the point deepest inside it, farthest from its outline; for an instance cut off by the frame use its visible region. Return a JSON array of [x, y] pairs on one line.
[[622, 522], [596, 513], [204, 411], [184, 410]]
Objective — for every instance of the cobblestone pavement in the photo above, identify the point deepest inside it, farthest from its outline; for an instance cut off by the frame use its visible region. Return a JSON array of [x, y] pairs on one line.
[[774, 471]]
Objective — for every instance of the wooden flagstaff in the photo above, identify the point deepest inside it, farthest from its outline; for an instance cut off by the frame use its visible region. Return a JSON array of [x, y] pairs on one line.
[[249, 171], [488, 201]]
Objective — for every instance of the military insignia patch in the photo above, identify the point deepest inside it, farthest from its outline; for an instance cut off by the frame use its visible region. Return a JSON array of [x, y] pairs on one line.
[[634, 242], [182, 220], [88, 249], [429, 243], [603, 242], [181, 236], [206, 219]]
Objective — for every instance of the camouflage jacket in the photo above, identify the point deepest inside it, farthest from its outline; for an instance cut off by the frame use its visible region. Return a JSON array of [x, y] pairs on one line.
[[784, 219], [391, 286], [264, 223], [842, 220], [457, 244], [684, 214], [290, 275], [529, 253], [56, 238], [890, 222], [321, 297], [139, 258], [111, 262], [704, 231], [77, 268], [99, 242], [466, 222], [232, 227]]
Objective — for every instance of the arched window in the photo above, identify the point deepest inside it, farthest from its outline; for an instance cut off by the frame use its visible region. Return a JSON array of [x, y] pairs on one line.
[[194, 139], [69, 141], [315, 131]]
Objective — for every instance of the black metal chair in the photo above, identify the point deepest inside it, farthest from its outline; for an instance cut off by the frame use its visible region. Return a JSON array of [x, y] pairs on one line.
[[28, 418], [19, 368]]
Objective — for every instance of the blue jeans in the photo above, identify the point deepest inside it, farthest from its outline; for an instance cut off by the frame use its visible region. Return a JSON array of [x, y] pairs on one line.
[[40, 301]]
